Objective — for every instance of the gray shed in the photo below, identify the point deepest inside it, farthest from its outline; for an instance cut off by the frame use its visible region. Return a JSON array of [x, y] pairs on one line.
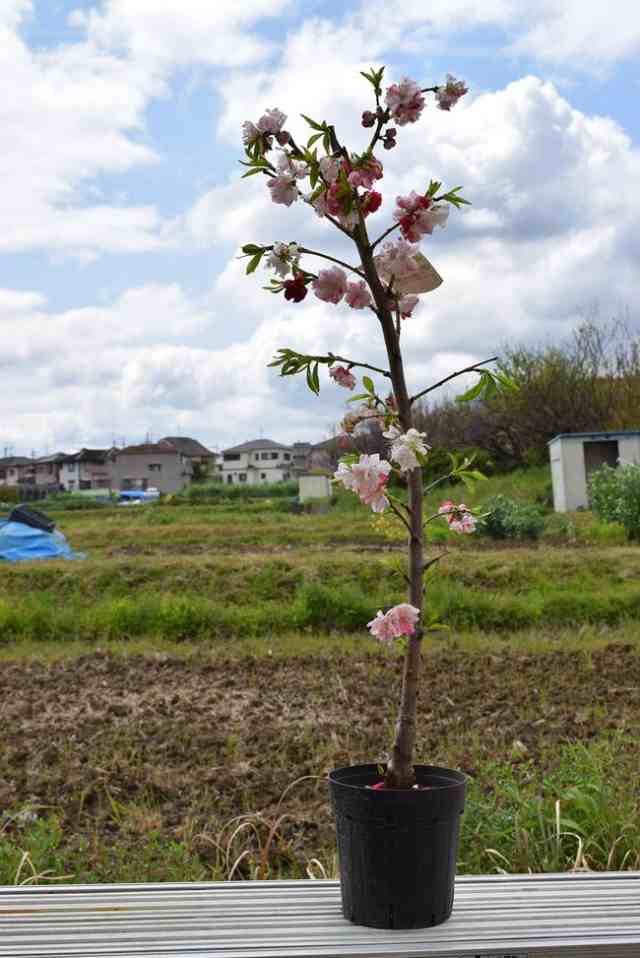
[[574, 456]]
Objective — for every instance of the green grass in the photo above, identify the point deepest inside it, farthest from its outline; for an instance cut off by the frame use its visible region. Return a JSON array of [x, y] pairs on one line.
[[576, 812], [259, 594]]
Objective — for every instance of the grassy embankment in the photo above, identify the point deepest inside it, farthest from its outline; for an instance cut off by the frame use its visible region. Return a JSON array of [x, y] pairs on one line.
[[157, 699]]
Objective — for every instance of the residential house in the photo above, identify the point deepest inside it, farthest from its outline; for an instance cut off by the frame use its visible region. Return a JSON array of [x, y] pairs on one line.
[[47, 471], [17, 471], [150, 466], [86, 469], [257, 461], [319, 456], [203, 460]]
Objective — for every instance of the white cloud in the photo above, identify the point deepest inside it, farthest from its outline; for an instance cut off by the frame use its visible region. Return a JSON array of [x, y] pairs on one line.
[[164, 35], [70, 117], [580, 34], [13, 300], [587, 32], [78, 112]]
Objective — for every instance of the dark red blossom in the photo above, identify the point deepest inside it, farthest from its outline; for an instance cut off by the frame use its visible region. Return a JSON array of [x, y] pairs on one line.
[[371, 202], [295, 289]]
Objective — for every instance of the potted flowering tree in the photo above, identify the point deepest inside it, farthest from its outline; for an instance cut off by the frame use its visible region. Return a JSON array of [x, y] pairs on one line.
[[397, 824]]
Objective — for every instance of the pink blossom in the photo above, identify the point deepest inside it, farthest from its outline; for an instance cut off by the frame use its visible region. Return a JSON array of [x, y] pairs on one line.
[[367, 478], [398, 621], [449, 94], [459, 517], [319, 203], [366, 174], [272, 121], [417, 215], [283, 257], [342, 376], [329, 169], [397, 259], [405, 101], [407, 305], [349, 423], [339, 203], [286, 165], [330, 285], [250, 133], [406, 447], [358, 295], [283, 189]]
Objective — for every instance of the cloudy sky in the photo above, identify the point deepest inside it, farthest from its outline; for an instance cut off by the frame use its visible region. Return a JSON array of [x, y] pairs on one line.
[[123, 306]]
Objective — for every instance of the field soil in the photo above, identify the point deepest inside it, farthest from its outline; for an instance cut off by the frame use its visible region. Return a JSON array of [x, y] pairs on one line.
[[128, 749]]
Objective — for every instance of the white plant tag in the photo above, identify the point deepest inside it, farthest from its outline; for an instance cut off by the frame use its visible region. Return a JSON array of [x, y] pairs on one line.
[[423, 280], [420, 280]]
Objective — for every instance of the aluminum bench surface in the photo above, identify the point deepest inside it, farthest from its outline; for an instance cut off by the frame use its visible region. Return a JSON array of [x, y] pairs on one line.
[[588, 915]]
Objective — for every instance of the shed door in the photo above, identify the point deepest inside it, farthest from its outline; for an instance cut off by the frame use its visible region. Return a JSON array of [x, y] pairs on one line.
[[602, 453]]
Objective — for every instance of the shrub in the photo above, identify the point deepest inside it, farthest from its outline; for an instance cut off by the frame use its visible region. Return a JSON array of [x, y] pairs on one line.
[[615, 496], [507, 519], [215, 490]]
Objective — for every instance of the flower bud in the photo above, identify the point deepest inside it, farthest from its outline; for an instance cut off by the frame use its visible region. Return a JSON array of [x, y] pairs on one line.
[[368, 118], [283, 137]]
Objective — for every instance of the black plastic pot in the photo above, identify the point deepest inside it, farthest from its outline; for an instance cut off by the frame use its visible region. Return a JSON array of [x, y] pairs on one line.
[[397, 847]]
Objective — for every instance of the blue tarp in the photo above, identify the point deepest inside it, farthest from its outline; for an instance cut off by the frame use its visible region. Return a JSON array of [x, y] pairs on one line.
[[20, 543]]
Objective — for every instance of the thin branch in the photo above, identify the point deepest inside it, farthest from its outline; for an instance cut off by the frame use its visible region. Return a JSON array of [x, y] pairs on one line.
[[338, 225], [312, 252], [460, 372], [351, 363], [436, 482], [384, 235], [402, 518], [427, 565]]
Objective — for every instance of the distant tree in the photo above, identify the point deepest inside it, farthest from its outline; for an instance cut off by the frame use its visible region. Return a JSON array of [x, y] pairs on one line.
[[590, 382]]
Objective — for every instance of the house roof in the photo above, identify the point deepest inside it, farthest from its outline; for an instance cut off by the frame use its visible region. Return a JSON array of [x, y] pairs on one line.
[[330, 443], [86, 455], [148, 449], [595, 435], [187, 446], [255, 444], [56, 457], [15, 461]]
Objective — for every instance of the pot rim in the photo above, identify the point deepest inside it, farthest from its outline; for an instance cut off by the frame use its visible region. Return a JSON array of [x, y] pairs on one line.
[[457, 778]]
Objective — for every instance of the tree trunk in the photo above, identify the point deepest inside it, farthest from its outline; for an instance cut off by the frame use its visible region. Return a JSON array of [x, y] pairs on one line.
[[400, 773]]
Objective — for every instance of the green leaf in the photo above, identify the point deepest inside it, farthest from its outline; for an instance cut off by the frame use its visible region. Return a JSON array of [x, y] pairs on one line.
[[251, 248], [506, 382], [434, 186], [368, 385], [313, 139], [254, 262], [358, 398], [312, 378], [258, 169], [474, 392], [313, 124]]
